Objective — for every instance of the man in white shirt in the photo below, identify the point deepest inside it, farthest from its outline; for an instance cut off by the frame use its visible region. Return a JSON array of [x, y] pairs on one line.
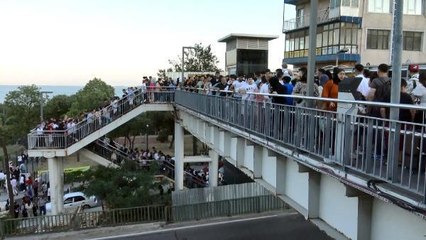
[[264, 88], [363, 86], [248, 88], [413, 81], [237, 85]]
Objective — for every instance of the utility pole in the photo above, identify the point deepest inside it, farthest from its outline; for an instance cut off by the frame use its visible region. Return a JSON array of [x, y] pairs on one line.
[[183, 62], [396, 54], [42, 103]]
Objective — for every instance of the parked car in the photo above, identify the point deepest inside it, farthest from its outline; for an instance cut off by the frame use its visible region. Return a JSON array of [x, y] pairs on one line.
[[75, 199]]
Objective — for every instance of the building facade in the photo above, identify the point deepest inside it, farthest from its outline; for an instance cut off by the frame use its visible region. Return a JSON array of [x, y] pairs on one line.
[[352, 31]]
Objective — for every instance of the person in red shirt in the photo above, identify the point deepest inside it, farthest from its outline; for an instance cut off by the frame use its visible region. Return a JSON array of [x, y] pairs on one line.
[[331, 89]]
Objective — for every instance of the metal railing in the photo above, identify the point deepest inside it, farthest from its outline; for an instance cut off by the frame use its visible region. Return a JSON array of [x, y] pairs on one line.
[[303, 21], [144, 214], [230, 207], [166, 167], [83, 220], [380, 149], [60, 139]]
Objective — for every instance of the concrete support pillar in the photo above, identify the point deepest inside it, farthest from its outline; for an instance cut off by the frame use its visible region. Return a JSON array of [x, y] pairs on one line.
[[216, 137], [240, 154], [212, 134], [258, 158], [203, 130], [314, 185], [197, 126], [281, 174], [365, 208], [179, 156], [56, 182], [221, 142], [269, 167], [213, 168], [227, 147], [249, 156]]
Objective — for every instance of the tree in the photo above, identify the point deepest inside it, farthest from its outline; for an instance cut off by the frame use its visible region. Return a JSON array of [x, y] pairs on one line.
[[6, 138], [199, 59], [20, 113], [95, 93], [22, 110], [132, 128], [162, 72], [122, 187], [58, 106], [164, 124]]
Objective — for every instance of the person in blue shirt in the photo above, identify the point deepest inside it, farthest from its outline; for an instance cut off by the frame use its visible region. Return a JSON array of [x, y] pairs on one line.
[[288, 89]]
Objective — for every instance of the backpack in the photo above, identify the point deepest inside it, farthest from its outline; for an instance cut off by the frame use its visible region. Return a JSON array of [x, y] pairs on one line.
[[383, 92]]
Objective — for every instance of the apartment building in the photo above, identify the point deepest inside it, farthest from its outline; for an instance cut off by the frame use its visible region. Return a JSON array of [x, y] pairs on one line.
[[352, 31]]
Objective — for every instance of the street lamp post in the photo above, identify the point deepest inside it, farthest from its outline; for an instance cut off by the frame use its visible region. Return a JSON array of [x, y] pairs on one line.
[[183, 61], [146, 137], [42, 102], [343, 50]]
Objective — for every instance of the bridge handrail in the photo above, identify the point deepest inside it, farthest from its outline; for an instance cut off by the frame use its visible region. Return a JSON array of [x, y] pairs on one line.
[[65, 138], [362, 145], [302, 97], [167, 164]]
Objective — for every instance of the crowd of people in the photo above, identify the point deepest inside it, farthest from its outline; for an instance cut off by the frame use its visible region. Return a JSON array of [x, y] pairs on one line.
[[119, 154], [374, 86], [36, 193], [283, 85], [86, 122]]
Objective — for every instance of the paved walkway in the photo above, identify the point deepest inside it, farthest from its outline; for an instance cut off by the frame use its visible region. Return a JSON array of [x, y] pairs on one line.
[[149, 228], [128, 229]]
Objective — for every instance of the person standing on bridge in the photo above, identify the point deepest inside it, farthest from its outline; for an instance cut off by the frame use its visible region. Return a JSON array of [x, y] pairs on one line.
[[301, 87]]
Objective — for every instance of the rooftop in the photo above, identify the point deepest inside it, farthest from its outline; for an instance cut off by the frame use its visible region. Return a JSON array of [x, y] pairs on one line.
[[233, 36]]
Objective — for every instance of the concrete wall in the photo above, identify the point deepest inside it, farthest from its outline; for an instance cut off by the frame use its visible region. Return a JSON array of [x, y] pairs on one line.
[[336, 209], [296, 184], [269, 170], [392, 222]]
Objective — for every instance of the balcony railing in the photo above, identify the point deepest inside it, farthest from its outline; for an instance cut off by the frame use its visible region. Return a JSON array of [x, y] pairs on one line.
[[381, 150], [303, 21]]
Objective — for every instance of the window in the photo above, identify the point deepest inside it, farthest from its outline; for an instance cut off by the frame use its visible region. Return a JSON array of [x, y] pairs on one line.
[[355, 3], [379, 6], [300, 17], [79, 198], [412, 41], [334, 4], [346, 3], [412, 7], [330, 39], [378, 39]]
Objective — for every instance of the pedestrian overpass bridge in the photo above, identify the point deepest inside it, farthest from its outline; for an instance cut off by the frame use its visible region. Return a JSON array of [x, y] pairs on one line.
[[361, 176]]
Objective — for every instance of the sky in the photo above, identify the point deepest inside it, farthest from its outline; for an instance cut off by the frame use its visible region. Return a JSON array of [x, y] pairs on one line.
[[69, 42]]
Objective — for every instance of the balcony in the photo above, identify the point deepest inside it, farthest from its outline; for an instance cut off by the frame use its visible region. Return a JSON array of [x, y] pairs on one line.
[[342, 13], [303, 21]]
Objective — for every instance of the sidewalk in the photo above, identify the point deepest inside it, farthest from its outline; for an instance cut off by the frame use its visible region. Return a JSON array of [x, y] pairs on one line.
[[95, 232], [102, 232]]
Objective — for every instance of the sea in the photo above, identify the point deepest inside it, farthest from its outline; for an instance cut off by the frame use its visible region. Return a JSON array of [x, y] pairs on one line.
[[56, 90]]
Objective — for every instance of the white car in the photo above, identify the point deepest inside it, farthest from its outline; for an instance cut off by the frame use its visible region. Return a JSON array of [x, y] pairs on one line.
[[75, 199]]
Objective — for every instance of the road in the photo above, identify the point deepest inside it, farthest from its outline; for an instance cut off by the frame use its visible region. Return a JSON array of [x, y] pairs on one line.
[[280, 226]]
